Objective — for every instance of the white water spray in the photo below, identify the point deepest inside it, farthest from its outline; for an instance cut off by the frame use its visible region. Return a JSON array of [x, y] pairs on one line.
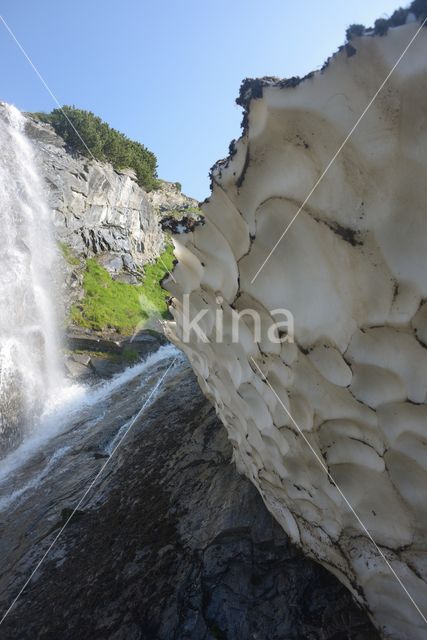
[[30, 370]]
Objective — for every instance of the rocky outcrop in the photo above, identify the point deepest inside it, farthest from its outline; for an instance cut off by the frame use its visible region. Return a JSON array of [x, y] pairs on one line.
[[177, 212], [331, 427], [169, 198], [91, 355], [97, 210], [176, 545]]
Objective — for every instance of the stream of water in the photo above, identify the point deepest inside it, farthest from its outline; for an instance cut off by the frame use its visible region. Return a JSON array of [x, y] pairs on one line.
[[55, 435], [30, 366]]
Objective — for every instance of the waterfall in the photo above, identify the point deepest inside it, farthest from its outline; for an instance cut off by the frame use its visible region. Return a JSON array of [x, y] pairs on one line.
[[30, 367]]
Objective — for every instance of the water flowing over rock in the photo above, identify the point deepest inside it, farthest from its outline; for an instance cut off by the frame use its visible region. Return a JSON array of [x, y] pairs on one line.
[[352, 271], [174, 545], [30, 370]]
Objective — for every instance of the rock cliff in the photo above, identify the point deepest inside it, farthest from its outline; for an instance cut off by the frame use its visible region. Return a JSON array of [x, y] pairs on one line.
[[97, 211], [177, 212], [168, 198], [330, 426]]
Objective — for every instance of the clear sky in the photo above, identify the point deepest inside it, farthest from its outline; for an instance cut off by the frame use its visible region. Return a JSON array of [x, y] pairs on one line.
[[167, 72]]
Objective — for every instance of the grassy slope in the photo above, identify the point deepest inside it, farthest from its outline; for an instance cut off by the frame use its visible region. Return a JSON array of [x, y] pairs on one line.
[[68, 255], [108, 304]]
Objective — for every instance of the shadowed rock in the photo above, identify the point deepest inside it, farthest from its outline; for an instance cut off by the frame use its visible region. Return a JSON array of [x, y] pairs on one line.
[[180, 546]]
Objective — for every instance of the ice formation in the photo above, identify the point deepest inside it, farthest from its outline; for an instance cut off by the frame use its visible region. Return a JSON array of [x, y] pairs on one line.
[[352, 269]]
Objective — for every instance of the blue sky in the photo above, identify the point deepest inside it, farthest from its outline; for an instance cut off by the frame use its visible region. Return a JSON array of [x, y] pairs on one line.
[[167, 72]]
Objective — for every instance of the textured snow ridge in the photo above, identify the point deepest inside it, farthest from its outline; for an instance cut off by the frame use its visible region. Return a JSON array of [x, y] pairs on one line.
[[353, 271]]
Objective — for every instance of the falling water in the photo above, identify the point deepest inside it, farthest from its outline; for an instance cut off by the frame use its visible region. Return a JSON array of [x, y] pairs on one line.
[[30, 370]]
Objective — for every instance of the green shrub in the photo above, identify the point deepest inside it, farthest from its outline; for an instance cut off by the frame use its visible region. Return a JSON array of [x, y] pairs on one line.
[[87, 134], [354, 30], [108, 304]]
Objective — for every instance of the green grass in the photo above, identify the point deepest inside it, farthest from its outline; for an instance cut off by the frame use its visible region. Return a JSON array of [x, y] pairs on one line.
[[108, 304], [69, 256]]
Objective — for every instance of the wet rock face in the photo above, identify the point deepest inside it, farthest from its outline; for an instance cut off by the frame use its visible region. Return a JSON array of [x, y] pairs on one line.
[[96, 209], [351, 271], [179, 546], [91, 356]]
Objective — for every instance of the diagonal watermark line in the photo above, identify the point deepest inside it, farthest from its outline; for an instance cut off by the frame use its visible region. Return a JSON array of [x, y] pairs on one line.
[[56, 101], [44, 83], [86, 492], [169, 272], [340, 148], [326, 470]]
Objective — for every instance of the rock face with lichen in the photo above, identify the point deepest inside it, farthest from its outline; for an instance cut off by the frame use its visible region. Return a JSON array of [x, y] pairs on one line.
[[338, 417]]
